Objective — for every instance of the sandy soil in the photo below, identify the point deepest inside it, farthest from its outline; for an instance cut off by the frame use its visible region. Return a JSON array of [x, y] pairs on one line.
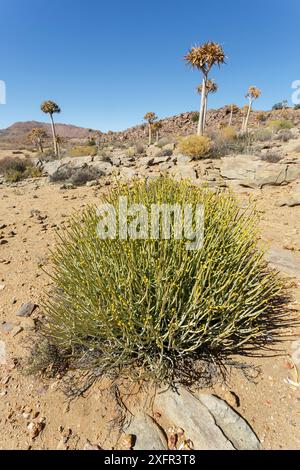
[[31, 212]]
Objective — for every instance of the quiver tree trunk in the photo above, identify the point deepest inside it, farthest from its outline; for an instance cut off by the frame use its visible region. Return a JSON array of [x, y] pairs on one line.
[[150, 133], [54, 135], [247, 117], [200, 129]]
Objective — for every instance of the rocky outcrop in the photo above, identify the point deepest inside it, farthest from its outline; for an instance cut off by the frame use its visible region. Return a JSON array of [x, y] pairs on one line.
[[250, 171], [203, 422]]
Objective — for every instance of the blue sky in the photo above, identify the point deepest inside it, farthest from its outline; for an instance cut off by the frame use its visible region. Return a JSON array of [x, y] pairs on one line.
[[108, 62]]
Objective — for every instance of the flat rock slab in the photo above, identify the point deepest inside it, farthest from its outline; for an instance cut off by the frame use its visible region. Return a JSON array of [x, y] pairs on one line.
[[26, 310], [292, 200], [250, 171], [149, 436], [284, 261], [235, 428], [189, 413]]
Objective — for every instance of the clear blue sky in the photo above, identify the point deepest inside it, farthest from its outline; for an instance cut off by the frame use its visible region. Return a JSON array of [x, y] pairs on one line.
[[108, 62]]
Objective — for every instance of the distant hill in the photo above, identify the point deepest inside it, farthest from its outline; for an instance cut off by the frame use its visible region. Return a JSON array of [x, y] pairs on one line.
[[182, 124], [17, 133]]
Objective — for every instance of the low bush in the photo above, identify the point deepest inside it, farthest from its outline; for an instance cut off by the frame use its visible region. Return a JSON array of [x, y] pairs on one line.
[[139, 149], [284, 135], [195, 146], [151, 308], [130, 152], [163, 141], [82, 175], [16, 169], [278, 124], [272, 157], [243, 143], [261, 117], [263, 135], [83, 151], [227, 133], [195, 117]]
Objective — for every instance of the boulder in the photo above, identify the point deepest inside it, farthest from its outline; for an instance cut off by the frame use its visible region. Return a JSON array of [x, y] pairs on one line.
[[153, 151], [181, 159], [180, 172]]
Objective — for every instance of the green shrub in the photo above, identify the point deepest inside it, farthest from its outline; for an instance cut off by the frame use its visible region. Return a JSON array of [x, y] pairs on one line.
[[195, 117], [152, 308], [196, 146], [278, 124], [13, 176]]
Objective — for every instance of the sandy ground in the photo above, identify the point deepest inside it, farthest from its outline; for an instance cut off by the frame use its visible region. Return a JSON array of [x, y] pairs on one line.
[[31, 212]]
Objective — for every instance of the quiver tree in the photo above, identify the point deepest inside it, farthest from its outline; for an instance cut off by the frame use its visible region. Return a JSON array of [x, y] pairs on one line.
[[150, 118], [49, 107], [203, 58], [232, 109], [252, 94], [37, 136], [157, 126], [210, 87]]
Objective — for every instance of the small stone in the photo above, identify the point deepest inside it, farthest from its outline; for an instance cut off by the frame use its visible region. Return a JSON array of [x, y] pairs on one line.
[[3, 242], [91, 184], [2, 353], [35, 429], [3, 226], [6, 327], [127, 442], [5, 380], [26, 310], [89, 446], [2, 286], [17, 330]]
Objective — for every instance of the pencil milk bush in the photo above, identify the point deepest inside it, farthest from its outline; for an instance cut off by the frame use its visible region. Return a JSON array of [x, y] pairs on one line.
[[148, 307]]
